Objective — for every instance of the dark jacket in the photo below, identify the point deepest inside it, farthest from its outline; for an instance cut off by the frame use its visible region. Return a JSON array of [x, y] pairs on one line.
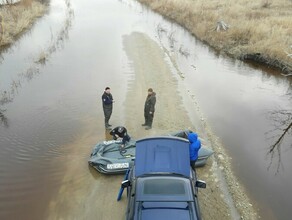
[[120, 131], [195, 145], [150, 103], [107, 100]]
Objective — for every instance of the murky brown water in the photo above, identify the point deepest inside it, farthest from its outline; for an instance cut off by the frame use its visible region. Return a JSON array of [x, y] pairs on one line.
[[53, 114]]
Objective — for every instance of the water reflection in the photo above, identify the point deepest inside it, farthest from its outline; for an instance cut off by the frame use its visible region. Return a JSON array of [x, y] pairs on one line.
[[172, 41], [37, 138], [281, 133], [174, 50], [236, 96], [3, 118], [56, 42]]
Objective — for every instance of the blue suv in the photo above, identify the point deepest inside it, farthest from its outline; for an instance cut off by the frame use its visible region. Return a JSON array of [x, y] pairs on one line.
[[161, 184]]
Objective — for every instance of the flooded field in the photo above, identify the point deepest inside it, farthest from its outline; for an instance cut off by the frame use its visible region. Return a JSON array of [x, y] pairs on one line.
[[51, 82]]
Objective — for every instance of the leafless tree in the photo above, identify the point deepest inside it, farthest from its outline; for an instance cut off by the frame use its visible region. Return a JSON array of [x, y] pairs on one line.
[[282, 128]]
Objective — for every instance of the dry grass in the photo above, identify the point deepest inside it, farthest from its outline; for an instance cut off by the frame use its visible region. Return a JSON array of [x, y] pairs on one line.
[[33, 69], [255, 27], [17, 18]]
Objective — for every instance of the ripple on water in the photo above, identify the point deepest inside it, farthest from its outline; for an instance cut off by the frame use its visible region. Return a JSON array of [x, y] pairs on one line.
[[31, 161]]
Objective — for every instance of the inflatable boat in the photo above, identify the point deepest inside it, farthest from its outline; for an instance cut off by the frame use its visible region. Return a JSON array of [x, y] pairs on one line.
[[109, 157]]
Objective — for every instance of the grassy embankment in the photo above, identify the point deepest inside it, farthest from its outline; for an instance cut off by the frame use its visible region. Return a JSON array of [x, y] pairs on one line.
[[16, 18], [257, 30]]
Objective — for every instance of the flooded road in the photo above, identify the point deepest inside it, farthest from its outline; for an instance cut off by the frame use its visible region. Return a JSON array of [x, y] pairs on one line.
[[52, 114]]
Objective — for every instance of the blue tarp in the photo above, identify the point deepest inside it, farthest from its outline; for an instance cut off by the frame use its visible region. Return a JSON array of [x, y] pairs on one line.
[[162, 154]]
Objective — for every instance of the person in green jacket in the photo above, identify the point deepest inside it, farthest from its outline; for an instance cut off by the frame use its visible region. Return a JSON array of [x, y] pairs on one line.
[[149, 109], [107, 104]]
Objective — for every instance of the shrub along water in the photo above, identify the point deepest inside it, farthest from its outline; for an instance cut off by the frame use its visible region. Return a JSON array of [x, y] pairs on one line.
[[17, 18], [256, 30]]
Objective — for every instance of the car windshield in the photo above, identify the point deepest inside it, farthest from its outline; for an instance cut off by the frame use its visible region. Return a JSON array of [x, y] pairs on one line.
[[164, 189]]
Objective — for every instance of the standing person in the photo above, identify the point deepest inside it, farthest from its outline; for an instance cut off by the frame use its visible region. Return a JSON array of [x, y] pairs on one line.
[[107, 104], [120, 132], [195, 145], [149, 109]]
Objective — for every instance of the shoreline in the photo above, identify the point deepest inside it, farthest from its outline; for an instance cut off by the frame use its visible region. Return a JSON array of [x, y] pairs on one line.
[[224, 197], [242, 37], [223, 164], [218, 171], [16, 19]]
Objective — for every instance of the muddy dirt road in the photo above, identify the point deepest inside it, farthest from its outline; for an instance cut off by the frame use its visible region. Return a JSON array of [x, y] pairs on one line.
[[50, 133], [95, 197]]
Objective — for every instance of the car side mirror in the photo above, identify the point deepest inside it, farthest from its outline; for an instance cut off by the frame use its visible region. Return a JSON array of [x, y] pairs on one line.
[[201, 184], [126, 183]]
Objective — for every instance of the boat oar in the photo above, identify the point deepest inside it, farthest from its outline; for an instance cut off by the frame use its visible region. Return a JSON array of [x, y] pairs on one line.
[[122, 188]]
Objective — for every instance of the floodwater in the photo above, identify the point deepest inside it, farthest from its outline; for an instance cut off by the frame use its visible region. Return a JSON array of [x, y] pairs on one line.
[[51, 81]]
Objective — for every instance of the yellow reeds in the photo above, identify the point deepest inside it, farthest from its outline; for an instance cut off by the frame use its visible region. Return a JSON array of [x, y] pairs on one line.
[[17, 18], [261, 27]]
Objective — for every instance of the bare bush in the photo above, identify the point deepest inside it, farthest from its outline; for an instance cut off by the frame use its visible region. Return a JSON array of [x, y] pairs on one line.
[[171, 40], [266, 4], [3, 118], [183, 51], [255, 30], [17, 19], [221, 26]]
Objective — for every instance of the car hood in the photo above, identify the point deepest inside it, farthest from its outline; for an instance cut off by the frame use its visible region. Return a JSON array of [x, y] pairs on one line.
[[162, 154]]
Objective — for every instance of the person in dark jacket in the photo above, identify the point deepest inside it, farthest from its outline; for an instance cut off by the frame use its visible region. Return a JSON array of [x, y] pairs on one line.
[[120, 132], [149, 109], [195, 145], [107, 104]]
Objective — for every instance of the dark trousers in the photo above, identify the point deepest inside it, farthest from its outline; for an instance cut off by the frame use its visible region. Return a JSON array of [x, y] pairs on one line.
[[107, 110], [126, 138], [148, 119]]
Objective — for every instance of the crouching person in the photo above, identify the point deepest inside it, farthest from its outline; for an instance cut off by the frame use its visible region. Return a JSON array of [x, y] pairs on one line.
[[120, 132]]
